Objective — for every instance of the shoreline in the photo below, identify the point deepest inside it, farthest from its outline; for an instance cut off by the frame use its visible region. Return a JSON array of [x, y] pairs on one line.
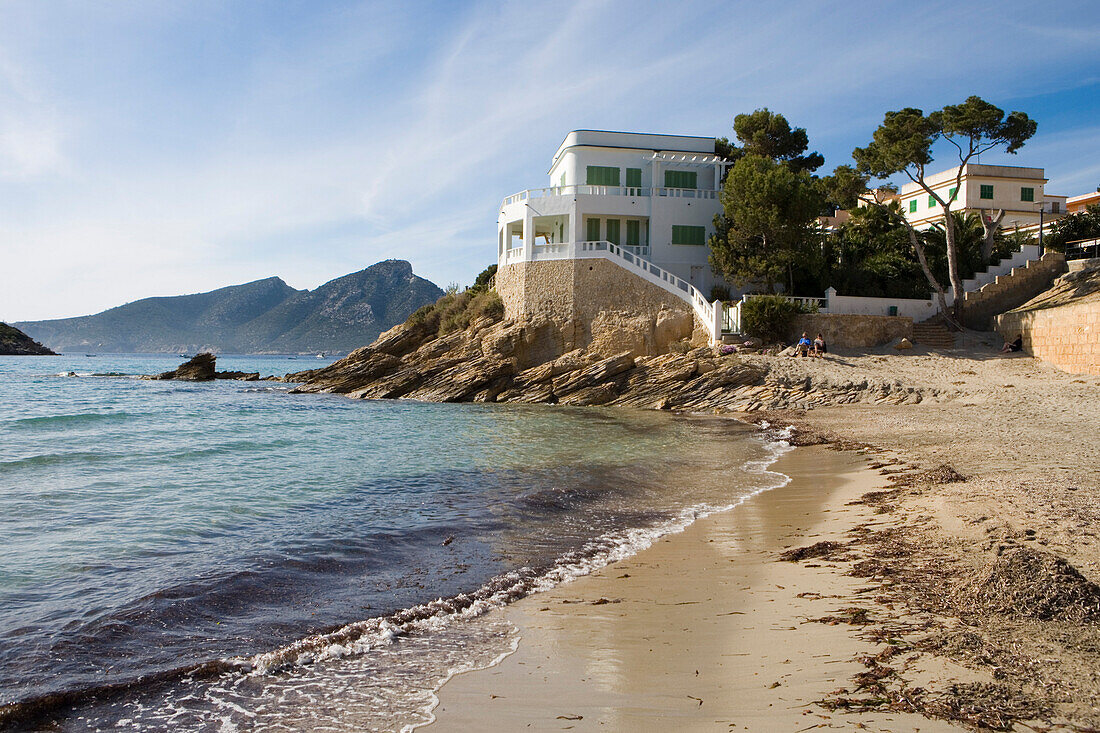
[[706, 627]]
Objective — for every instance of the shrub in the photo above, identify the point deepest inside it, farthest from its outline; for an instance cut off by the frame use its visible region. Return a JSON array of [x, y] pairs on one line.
[[768, 317], [484, 277], [456, 311], [719, 292]]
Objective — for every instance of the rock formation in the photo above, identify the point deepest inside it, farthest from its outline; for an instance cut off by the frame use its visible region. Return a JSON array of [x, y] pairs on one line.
[[201, 368], [14, 342]]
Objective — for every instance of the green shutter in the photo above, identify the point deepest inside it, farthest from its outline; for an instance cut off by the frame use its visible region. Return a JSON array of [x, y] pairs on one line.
[[601, 175], [987, 191], [633, 177], [592, 233], [951, 193], [633, 233], [931, 201], [689, 235], [613, 231], [681, 179], [1027, 194], [913, 206]]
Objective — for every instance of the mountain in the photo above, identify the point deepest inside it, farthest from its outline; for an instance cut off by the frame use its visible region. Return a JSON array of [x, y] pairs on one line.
[[14, 342], [265, 316]]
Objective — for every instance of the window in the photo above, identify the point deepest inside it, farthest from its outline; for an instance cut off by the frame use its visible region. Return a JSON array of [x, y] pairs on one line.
[[931, 201], [951, 193], [633, 177], [680, 179], [633, 233], [600, 175], [913, 206], [1055, 207], [1027, 194], [613, 231], [562, 184], [689, 235], [987, 191], [592, 230]]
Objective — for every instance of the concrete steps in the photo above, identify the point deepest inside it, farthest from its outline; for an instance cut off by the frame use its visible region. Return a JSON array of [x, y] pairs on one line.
[[933, 334]]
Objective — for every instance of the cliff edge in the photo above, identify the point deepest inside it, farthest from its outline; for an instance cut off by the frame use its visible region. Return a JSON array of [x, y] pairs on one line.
[[14, 342]]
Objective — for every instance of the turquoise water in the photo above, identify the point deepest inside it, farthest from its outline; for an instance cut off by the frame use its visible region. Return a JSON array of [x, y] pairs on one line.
[[187, 554]]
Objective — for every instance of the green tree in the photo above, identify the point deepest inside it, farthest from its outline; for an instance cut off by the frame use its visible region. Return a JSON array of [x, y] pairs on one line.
[[1080, 225], [769, 135], [769, 221], [903, 144]]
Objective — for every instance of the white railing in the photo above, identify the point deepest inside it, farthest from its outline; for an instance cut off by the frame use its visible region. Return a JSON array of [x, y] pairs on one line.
[[587, 190], [807, 303], [709, 313]]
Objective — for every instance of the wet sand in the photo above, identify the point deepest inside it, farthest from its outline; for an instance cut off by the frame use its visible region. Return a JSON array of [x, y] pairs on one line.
[[705, 630]]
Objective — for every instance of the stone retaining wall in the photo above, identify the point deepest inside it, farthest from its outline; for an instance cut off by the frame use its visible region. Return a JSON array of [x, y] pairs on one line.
[[605, 308], [1063, 329], [851, 331]]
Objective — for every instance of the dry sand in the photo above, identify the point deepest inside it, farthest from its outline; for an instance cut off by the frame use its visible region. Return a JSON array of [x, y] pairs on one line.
[[979, 598]]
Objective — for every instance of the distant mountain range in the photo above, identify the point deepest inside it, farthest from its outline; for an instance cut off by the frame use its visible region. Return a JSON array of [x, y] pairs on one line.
[[265, 316]]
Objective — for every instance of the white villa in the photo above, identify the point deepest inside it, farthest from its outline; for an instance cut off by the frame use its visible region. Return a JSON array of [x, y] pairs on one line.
[[654, 196], [1016, 190]]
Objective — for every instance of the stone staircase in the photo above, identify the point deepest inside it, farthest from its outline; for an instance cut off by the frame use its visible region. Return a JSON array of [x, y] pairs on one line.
[[1010, 289], [934, 334]]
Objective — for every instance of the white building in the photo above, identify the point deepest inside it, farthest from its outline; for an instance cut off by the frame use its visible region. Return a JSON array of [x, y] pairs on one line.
[[990, 188], [654, 196]]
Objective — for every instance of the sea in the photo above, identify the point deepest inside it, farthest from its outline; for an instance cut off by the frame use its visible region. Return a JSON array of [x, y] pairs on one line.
[[229, 556]]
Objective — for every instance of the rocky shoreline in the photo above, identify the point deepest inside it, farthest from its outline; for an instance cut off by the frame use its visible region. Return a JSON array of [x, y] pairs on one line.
[[499, 361], [14, 342]]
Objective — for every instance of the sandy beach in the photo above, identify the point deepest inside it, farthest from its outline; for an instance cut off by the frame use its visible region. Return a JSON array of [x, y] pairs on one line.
[[960, 592]]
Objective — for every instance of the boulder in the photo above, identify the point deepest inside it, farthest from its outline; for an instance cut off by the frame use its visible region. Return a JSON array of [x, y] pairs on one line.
[[590, 376], [903, 344]]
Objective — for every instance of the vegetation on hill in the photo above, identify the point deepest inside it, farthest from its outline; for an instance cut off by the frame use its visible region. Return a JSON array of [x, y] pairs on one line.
[[1081, 225], [14, 342], [262, 316], [456, 310]]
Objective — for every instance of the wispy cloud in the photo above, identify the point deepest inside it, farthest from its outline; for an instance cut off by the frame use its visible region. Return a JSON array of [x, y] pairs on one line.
[[161, 147]]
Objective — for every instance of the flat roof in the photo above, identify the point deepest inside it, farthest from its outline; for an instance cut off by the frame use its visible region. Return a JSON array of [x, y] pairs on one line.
[[656, 142]]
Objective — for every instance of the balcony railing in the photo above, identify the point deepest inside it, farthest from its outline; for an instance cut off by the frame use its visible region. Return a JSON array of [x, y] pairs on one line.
[[538, 193]]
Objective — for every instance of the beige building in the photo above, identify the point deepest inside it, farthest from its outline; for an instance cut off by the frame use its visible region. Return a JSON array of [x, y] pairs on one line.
[[1075, 204], [1016, 190]]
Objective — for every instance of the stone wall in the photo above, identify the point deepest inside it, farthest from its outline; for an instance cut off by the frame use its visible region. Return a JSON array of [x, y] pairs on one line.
[[1011, 290], [598, 305], [851, 331], [1062, 326]]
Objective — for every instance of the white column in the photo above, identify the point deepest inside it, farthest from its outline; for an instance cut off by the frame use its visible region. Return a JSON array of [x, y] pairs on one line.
[[528, 234]]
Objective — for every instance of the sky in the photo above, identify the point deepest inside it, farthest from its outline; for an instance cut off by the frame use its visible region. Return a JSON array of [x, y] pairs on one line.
[[160, 148]]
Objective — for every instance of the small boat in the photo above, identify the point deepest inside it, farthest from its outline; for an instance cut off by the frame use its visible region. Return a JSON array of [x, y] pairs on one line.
[[91, 355]]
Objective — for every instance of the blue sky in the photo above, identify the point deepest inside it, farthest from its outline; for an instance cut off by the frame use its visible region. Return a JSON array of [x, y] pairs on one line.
[[158, 148]]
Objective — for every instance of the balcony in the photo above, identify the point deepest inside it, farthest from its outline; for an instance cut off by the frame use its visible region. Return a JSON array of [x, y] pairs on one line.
[[586, 190]]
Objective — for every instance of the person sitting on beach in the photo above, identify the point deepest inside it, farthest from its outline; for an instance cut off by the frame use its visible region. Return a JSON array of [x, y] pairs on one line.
[[802, 348], [819, 347], [1017, 345]]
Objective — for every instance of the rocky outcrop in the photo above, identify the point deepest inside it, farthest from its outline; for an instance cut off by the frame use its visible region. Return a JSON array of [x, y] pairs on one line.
[[14, 342], [525, 361], [201, 368]]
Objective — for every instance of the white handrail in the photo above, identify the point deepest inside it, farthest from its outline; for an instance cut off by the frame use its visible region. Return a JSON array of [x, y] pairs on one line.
[[591, 190]]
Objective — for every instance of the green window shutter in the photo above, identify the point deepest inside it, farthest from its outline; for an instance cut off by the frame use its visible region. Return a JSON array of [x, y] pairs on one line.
[[987, 191], [633, 177], [931, 201], [681, 179], [592, 232], [951, 193], [689, 235], [633, 233], [913, 206], [602, 175], [1027, 194], [613, 231]]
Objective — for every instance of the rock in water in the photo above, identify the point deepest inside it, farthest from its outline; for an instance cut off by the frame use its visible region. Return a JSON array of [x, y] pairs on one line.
[[198, 369]]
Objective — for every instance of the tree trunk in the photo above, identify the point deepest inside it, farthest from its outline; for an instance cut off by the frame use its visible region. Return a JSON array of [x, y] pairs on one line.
[[914, 239], [953, 268], [991, 225]]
